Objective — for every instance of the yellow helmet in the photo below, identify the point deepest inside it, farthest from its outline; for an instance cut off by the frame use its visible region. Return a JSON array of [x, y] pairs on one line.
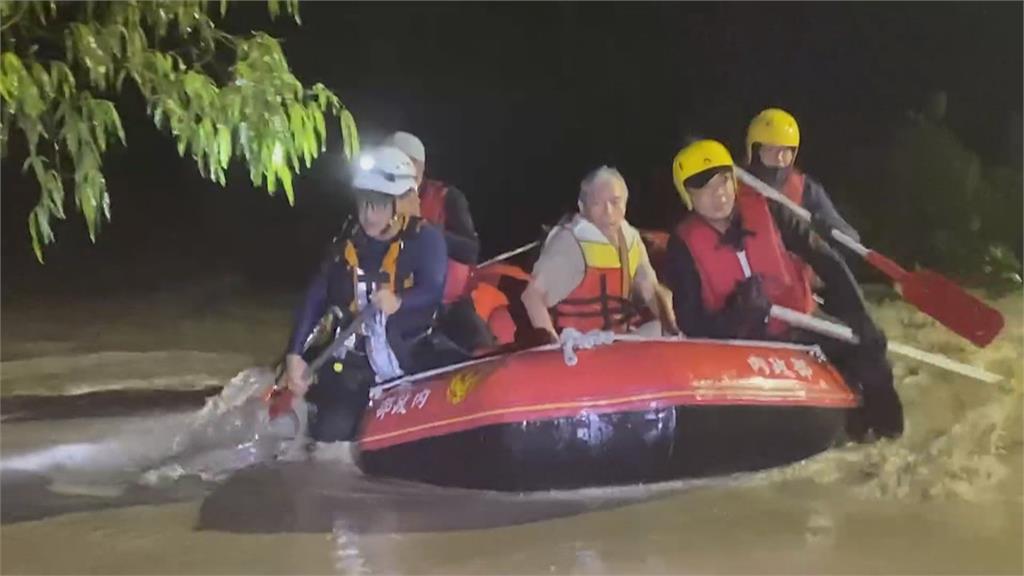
[[774, 127], [696, 158]]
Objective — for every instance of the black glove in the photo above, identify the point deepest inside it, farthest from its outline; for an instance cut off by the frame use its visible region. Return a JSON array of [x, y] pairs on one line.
[[531, 337], [750, 302], [871, 338], [822, 226]]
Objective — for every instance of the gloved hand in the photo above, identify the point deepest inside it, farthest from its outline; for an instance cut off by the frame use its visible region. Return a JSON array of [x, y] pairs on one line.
[[750, 302], [535, 337], [871, 337], [822, 226]]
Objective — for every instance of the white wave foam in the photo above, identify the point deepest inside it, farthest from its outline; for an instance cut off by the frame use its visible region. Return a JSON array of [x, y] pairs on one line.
[[959, 432], [101, 371]]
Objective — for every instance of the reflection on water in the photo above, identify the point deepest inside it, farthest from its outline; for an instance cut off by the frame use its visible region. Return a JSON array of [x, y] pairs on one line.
[[131, 494]]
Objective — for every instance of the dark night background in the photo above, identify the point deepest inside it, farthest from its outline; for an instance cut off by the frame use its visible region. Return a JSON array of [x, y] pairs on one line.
[[516, 101]]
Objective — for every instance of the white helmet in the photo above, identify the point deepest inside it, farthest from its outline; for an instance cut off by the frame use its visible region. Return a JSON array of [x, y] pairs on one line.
[[410, 144], [387, 170]]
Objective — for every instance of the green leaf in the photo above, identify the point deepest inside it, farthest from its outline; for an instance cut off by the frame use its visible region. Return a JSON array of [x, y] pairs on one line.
[[36, 162], [112, 39], [321, 128], [223, 7], [13, 77], [5, 126], [56, 186], [275, 8], [43, 219], [224, 145], [286, 178], [42, 80], [39, 228], [114, 118], [5, 92], [105, 198], [271, 180], [296, 120], [158, 115], [63, 78], [71, 138], [33, 229], [309, 148], [88, 204], [350, 134], [194, 85], [100, 129]]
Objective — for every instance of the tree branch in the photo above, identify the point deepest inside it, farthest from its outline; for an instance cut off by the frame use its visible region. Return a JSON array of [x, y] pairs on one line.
[[14, 19]]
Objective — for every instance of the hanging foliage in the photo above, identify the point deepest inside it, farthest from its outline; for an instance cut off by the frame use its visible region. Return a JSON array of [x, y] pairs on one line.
[[220, 96]]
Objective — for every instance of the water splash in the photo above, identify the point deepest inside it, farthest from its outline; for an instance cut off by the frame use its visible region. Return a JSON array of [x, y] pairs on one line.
[[231, 431], [959, 432], [348, 555]]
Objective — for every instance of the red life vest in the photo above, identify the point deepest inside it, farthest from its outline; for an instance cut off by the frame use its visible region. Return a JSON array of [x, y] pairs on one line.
[[793, 187], [432, 196], [432, 209], [721, 267], [490, 303], [601, 300]]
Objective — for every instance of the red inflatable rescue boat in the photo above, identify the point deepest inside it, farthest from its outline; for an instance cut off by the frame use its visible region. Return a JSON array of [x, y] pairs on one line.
[[630, 412]]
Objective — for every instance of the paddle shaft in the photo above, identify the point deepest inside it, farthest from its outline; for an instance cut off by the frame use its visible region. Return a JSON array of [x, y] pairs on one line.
[[339, 341], [844, 333], [928, 291], [805, 215], [891, 269], [509, 254]]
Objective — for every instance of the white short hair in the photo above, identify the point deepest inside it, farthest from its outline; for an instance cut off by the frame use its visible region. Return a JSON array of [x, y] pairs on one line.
[[410, 144], [600, 175]]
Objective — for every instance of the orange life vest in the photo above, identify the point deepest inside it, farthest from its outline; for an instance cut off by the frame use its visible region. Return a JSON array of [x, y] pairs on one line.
[[432, 209], [601, 301], [722, 267]]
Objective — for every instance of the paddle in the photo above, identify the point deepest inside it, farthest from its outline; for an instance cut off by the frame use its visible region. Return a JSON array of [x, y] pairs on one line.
[[524, 248], [509, 254], [844, 333], [280, 398], [930, 292]]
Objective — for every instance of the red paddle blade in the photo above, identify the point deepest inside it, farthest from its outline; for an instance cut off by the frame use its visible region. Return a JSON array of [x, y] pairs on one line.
[[952, 306]]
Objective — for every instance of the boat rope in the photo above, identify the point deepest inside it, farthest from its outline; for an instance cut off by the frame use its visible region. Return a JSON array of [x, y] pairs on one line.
[[573, 340]]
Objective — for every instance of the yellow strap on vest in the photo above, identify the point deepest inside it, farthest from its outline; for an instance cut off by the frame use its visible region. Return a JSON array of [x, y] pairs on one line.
[[352, 259], [604, 255], [630, 263], [388, 266]]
